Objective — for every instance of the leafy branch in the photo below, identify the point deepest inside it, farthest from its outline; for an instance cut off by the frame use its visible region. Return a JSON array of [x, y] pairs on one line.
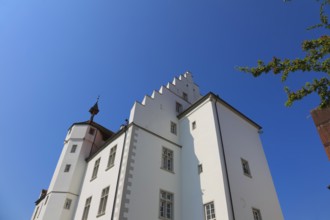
[[316, 60]]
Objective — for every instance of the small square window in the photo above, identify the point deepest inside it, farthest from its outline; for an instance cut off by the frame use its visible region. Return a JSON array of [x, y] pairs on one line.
[[193, 125], [178, 107], [256, 214], [73, 148], [246, 168], [173, 128], [91, 131], [67, 168], [185, 96], [67, 203]]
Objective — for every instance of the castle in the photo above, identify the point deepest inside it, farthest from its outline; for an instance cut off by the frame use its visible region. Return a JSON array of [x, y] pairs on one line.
[[180, 156]]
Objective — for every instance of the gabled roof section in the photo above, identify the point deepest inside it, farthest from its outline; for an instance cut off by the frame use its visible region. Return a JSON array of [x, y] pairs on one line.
[[106, 133], [216, 97]]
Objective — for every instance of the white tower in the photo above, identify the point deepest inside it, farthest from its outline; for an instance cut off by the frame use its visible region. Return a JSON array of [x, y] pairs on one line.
[[61, 198]]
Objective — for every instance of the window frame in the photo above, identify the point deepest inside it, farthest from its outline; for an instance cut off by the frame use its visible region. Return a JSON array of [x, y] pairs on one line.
[[86, 208], [257, 212], [112, 157], [246, 168], [162, 213], [67, 168], [174, 128], [103, 201], [67, 204], [96, 168], [178, 107], [73, 148], [212, 214], [167, 160]]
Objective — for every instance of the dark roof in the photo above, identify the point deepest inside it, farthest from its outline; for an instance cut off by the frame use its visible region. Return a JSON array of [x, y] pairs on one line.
[[212, 95], [106, 133]]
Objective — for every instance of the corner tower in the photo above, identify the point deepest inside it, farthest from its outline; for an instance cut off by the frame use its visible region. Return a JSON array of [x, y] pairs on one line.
[[82, 140]]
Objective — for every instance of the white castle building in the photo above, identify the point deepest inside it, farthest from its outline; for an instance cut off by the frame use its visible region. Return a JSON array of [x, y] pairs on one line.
[[181, 156]]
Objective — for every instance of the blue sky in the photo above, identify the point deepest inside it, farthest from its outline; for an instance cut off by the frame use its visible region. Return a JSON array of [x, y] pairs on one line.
[[56, 57]]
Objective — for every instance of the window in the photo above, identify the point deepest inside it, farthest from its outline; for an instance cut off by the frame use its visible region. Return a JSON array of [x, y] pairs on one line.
[[91, 131], [165, 205], [46, 200], [193, 125], [73, 148], [200, 168], [112, 156], [67, 168], [167, 159], [96, 168], [173, 128], [178, 107], [209, 211], [67, 203], [86, 209], [103, 201], [246, 168], [185, 96], [35, 214], [256, 214]]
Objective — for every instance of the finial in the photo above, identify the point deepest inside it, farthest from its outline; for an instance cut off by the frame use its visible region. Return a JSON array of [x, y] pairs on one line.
[[94, 110]]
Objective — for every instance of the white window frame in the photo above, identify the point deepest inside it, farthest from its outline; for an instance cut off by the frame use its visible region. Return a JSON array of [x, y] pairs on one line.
[[112, 157], [174, 128], [86, 208], [166, 205], [167, 159], [209, 210], [256, 214], [67, 203], [96, 168], [246, 168], [103, 201]]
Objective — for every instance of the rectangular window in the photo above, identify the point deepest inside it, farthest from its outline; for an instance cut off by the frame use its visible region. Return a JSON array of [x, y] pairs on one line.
[[200, 168], [35, 214], [112, 157], [209, 211], [193, 125], [167, 159], [166, 205], [256, 214], [96, 168], [178, 107], [103, 201], [67, 203], [185, 96], [246, 168], [46, 200], [73, 148], [86, 209], [173, 128], [91, 131], [67, 168]]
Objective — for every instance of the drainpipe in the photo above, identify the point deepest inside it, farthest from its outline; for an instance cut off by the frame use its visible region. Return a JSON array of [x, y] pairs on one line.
[[224, 158], [121, 162]]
